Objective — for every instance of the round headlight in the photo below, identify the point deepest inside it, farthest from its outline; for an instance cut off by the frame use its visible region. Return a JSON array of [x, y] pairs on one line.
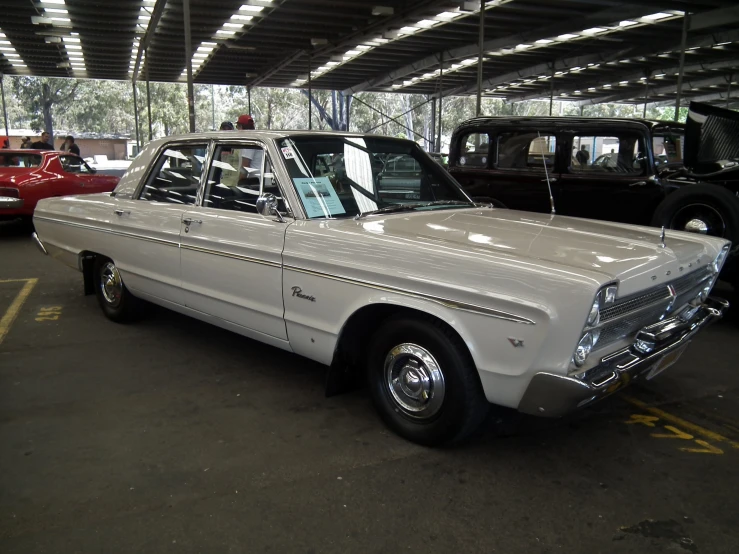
[[583, 349], [594, 315]]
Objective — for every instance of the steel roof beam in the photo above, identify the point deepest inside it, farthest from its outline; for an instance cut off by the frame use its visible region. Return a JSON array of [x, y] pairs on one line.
[[709, 97], [602, 17], [644, 49], [615, 77], [156, 15], [639, 94]]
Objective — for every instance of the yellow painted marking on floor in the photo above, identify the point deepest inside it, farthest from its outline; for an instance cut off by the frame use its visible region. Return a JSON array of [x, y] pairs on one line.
[[707, 448], [15, 307], [697, 429], [647, 420], [50, 313], [674, 433]]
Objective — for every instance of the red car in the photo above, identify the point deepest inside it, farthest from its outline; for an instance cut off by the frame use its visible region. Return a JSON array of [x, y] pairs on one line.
[[27, 176]]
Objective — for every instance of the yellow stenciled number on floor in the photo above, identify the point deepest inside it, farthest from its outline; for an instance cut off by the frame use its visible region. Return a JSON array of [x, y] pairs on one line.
[[50, 313]]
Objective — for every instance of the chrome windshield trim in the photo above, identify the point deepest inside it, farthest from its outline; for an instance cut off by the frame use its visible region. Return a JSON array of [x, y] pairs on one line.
[[448, 303], [223, 254], [109, 231]]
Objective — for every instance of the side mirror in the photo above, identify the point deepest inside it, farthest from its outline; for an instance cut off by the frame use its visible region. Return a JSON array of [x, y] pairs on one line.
[[267, 206]]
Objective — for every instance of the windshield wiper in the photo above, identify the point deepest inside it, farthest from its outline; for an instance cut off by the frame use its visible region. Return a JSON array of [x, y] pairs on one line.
[[388, 210], [409, 207]]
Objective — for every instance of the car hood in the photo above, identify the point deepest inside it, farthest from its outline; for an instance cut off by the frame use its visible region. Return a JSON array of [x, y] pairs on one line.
[[711, 140], [633, 255]]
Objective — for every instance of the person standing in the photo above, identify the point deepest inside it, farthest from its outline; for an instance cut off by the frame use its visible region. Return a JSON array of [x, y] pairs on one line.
[[70, 146], [251, 157], [25, 143], [43, 143]]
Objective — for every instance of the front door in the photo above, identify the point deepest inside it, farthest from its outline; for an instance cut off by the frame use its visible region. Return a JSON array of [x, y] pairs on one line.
[[608, 177], [231, 256]]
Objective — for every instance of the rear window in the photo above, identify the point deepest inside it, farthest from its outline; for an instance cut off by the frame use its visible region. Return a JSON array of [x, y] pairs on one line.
[[10, 159]]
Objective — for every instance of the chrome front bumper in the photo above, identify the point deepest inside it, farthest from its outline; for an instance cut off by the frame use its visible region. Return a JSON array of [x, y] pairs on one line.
[[552, 395], [10, 203], [39, 244]]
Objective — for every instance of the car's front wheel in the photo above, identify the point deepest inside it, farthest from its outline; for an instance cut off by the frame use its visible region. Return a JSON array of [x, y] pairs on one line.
[[116, 301], [423, 381]]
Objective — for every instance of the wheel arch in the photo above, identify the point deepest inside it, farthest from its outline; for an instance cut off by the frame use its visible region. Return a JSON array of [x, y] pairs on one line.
[[350, 350]]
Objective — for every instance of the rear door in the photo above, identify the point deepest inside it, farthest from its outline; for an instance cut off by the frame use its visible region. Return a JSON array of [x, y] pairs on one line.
[[231, 255], [608, 176], [145, 238]]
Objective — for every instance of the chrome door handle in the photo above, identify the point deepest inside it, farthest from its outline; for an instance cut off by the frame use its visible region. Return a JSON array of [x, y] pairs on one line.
[[122, 212], [188, 221], [638, 184]]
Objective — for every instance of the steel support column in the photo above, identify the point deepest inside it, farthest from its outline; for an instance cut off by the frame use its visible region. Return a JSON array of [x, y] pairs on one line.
[[348, 108], [310, 95], [441, 97], [686, 24], [148, 92], [5, 110], [551, 90], [646, 95], [432, 134], [728, 95], [136, 116], [248, 98], [188, 61], [479, 57], [212, 107]]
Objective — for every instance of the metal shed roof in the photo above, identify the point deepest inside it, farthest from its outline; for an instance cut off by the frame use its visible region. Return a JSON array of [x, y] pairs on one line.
[[591, 50]]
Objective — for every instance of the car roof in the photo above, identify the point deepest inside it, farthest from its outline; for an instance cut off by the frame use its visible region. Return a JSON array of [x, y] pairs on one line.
[[268, 135], [566, 120]]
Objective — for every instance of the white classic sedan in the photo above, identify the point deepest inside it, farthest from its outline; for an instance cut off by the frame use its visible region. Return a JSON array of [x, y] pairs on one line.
[[362, 253]]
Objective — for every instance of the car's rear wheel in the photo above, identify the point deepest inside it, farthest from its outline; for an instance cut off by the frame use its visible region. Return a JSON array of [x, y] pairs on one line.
[[116, 301], [423, 381]]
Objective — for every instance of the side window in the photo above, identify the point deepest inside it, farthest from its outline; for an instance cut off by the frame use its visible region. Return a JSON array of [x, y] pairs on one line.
[[73, 164], [474, 150], [616, 154], [238, 175], [176, 175], [526, 151]]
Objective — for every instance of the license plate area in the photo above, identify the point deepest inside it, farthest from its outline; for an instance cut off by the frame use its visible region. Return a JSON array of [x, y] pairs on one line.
[[665, 362]]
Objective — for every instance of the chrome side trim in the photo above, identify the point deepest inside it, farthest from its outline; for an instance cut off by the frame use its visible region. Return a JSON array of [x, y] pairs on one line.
[[230, 255], [451, 304], [109, 231]]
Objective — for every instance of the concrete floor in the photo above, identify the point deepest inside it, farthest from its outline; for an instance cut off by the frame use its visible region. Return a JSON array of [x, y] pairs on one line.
[[174, 436]]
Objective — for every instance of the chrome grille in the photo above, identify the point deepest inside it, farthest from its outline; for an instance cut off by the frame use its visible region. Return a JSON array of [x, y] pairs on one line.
[[627, 315]]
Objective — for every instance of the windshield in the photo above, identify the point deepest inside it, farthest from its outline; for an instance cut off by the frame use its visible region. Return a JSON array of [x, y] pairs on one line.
[[339, 176]]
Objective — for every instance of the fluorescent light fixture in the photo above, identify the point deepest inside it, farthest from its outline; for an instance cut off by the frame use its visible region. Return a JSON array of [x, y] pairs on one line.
[[73, 47], [224, 32], [593, 31], [71, 39], [234, 25], [567, 36], [52, 2], [544, 41], [11, 55], [55, 10], [248, 8], [656, 16], [627, 23], [239, 17]]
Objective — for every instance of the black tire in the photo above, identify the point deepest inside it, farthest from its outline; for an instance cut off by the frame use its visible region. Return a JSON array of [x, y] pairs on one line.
[[116, 301], [453, 409], [709, 203], [488, 200]]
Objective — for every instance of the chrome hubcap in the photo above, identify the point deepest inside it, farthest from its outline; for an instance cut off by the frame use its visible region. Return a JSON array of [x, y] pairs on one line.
[[415, 380], [696, 226], [699, 218], [110, 284]]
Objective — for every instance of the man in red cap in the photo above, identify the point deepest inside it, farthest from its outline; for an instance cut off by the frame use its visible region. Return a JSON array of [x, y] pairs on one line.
[[251, 157]]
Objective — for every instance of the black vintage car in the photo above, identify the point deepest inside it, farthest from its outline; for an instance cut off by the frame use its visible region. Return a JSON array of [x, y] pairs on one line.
[[682, 177]]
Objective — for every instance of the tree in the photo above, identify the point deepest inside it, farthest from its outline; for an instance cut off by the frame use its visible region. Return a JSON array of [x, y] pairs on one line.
[[43, 96]]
